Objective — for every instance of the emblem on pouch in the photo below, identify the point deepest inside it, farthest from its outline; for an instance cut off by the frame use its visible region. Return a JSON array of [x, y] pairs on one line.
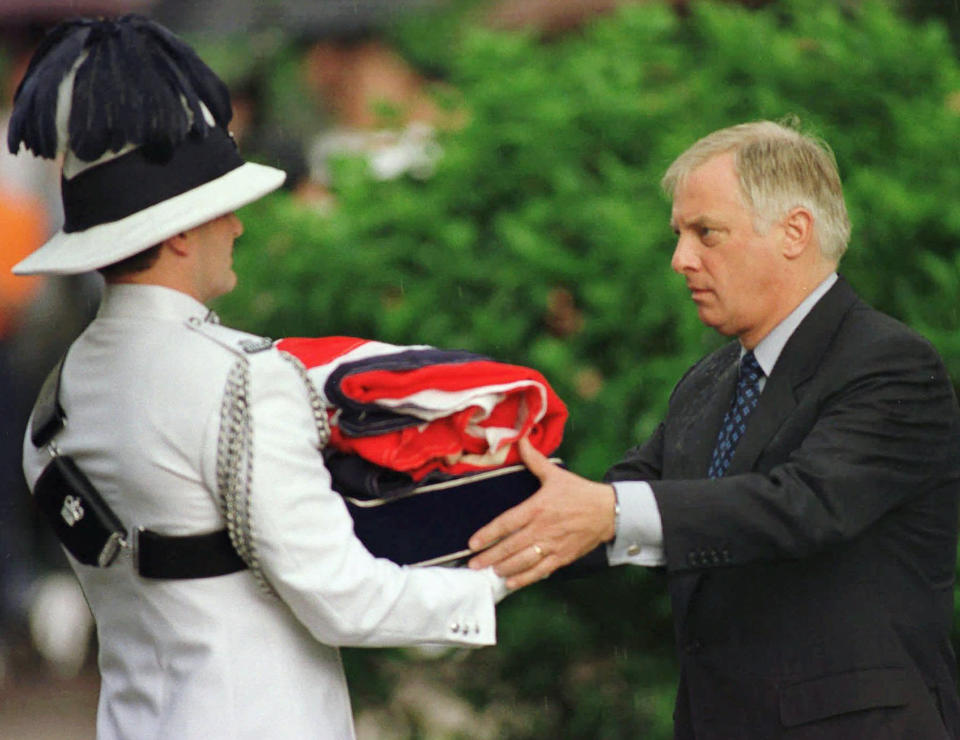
[[72, 510]]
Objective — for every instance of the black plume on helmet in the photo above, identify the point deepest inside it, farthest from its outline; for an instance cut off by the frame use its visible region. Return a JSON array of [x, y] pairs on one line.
[[136, 83]]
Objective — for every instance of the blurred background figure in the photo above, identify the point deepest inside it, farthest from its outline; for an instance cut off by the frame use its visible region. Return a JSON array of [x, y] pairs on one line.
[[22, 229], [44, 621], [349, 93]]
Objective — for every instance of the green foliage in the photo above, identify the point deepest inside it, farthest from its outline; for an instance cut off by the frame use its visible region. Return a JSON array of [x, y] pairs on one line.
[[542, 239], [947, 12]]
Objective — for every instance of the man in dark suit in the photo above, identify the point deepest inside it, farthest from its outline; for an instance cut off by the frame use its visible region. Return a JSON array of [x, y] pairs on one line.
[[802, 491]]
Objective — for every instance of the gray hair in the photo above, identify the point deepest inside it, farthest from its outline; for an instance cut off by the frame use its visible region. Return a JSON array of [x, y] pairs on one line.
[[779, 168]]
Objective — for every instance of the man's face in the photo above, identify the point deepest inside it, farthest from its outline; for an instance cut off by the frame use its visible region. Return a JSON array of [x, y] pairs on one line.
[[735, 275], [215, 275]]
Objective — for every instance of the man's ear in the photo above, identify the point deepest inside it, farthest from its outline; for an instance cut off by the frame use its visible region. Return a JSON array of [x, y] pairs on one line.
[[179, 244], [797, 232]]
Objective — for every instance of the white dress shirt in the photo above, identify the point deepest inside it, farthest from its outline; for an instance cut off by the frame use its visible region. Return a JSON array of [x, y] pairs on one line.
[[218, 657], [639, 538]]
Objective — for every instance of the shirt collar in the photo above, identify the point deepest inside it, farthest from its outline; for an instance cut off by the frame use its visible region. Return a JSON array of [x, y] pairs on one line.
[[769, 348], [126, 300]]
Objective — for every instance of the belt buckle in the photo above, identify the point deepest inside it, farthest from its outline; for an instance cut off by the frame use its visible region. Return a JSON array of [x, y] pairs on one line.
[[111, 548]]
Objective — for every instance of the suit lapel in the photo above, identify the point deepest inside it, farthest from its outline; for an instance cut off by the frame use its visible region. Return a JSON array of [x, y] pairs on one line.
[[799, 360], [706, 417]]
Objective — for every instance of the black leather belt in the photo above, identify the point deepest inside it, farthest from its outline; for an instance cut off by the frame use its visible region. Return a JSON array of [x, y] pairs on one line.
[[190, 556]]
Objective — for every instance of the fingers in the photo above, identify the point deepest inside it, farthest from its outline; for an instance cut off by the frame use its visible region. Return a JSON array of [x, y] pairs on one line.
[[504, 555], [527, 565], [537, 573], [536, 462], [523, 560], [519, 516], [509, 521], [538, 569], [567, 517], [564, 521]]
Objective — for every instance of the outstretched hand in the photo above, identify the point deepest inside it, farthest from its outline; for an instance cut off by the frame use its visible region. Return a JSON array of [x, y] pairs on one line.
[[565, 519]]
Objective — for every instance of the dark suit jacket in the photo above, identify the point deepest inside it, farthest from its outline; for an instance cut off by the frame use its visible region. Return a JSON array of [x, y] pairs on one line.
[[812, 586]]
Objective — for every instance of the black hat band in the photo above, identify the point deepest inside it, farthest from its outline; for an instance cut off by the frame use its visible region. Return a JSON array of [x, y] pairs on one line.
[[131, 183]]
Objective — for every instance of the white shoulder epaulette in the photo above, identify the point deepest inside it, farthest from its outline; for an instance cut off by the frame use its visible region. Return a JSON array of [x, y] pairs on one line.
[[236, 341]]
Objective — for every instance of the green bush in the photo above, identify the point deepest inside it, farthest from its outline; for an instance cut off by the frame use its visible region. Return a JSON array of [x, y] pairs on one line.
[[542, 239]]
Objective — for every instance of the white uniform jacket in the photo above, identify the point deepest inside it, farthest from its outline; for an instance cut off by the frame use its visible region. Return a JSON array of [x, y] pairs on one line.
[[143, 390]]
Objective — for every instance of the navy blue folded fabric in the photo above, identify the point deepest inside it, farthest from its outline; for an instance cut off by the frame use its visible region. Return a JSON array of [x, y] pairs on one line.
[[358, 477], [434, 522], [437, 521]]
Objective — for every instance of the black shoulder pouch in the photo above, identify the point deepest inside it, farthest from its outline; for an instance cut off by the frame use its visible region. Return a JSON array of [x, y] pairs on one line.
[[81, 519]]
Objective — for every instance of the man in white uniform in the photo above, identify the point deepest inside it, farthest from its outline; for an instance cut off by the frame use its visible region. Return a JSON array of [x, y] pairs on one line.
[[187, 428]]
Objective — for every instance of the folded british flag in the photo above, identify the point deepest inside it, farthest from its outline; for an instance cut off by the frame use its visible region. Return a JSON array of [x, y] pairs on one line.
[[419, 410], [422, 440]]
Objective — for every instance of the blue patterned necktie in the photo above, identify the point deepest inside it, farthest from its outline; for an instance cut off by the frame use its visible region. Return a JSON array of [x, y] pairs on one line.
[[735, 422]]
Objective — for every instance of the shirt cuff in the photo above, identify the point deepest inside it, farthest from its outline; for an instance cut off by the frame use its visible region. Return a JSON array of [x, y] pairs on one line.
[[497, 584], [639, 537]]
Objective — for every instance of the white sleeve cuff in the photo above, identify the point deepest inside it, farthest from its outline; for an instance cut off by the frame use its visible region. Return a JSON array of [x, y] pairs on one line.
[[639, 538], [497, 584]]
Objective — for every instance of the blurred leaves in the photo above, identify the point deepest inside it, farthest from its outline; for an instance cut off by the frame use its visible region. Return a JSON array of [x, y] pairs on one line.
[[547, 202]]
